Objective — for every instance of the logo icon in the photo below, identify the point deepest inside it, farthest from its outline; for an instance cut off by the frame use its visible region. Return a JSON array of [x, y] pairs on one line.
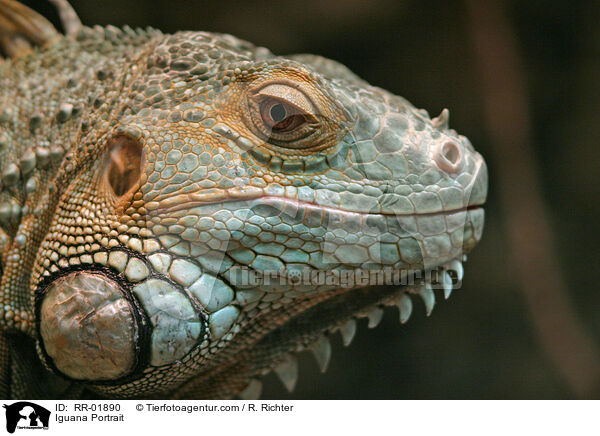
[[26, 415]]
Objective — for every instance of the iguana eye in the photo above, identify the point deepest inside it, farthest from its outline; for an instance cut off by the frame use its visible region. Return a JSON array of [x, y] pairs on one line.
[[280, 116]]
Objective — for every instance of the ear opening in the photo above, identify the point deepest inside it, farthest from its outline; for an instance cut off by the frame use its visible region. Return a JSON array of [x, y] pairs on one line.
[[123, 167]]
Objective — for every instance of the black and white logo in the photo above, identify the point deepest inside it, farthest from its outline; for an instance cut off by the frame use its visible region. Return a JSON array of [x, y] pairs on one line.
[[26, 415]]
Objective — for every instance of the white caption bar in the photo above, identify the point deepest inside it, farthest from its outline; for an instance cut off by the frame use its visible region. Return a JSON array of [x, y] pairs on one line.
[[166, 418]]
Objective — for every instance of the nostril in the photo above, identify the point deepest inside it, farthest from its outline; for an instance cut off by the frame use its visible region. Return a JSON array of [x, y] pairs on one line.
[[451, 152], [448, 156]]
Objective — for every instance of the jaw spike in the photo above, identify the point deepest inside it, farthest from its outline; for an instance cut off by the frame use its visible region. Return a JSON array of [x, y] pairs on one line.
[[348, 330], [446, 281], [456, 265], [321, 349], [428, 297], [375, 316], [441, 121], [404, 307], [252, 391], [287, 371]]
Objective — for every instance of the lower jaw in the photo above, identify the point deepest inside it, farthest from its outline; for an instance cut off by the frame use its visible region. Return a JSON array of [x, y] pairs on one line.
[[344, 307], [270, 339], [309, 329]]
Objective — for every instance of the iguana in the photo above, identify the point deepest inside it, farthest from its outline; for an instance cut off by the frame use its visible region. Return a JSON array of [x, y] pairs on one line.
[[181, 213]]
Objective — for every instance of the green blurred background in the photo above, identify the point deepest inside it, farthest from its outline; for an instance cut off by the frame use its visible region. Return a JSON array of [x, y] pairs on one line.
[[481, 343]]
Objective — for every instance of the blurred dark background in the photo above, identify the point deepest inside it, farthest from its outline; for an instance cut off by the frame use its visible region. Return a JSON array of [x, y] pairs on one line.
[[484, 342]]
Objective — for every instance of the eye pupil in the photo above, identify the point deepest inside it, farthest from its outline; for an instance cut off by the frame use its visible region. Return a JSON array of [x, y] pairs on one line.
[[278, 112], [279, 117]]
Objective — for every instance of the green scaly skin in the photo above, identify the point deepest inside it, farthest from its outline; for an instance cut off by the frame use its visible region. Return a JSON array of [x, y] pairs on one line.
[[145, 176]]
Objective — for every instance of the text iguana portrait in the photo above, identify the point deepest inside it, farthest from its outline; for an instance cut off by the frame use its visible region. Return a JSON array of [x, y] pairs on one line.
[[181, 213]]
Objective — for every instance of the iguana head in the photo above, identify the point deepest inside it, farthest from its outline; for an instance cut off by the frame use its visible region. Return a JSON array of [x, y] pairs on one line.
[[226, 207]]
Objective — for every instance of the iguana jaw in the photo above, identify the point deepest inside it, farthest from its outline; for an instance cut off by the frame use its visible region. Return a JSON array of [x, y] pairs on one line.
[[308, 327], [306, 324]]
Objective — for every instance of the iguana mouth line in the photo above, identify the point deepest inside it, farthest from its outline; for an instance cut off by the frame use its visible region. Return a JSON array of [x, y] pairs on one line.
[[189, 203]]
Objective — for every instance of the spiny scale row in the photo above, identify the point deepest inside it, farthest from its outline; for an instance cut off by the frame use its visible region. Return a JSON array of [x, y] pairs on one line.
[[287, 369]]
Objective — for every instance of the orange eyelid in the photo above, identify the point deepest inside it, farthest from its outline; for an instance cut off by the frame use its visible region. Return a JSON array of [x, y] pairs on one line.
[[289, 95]]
